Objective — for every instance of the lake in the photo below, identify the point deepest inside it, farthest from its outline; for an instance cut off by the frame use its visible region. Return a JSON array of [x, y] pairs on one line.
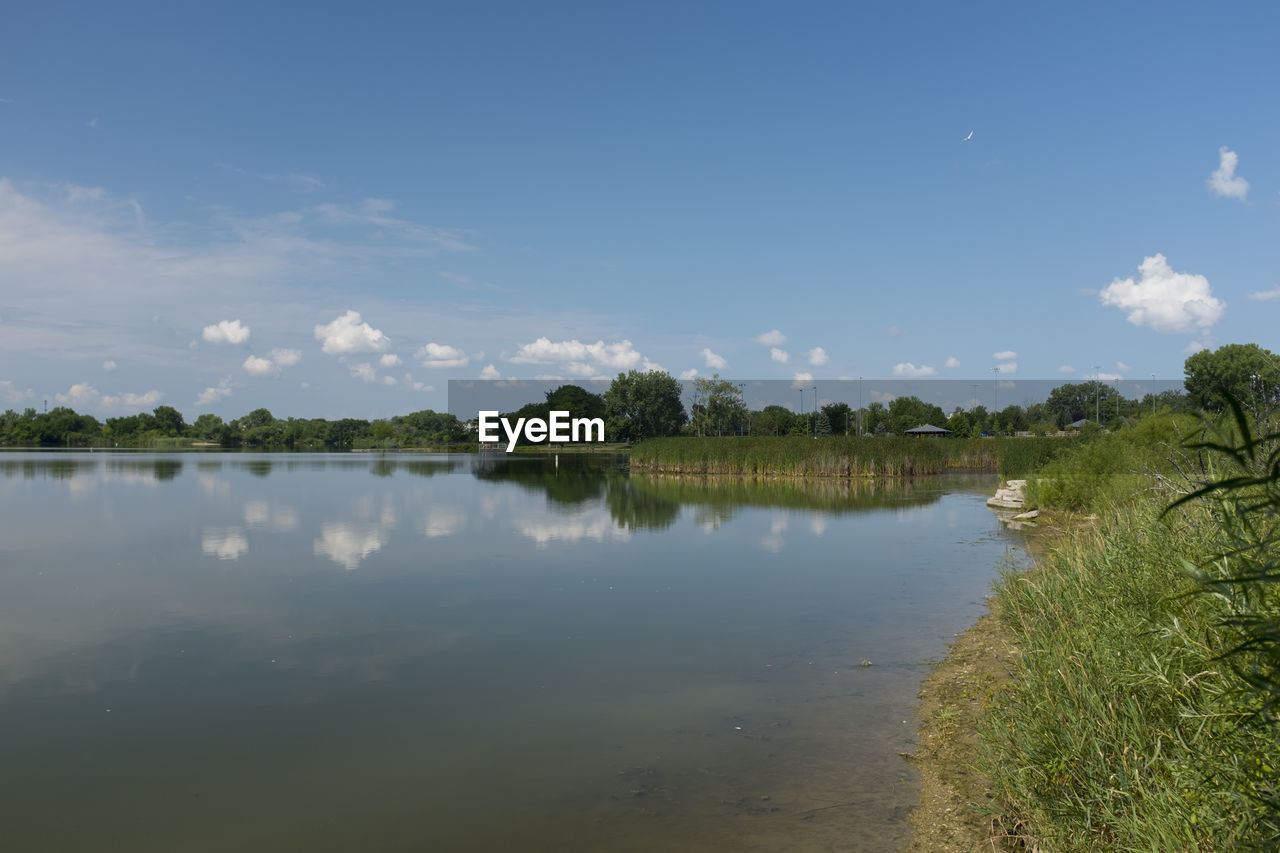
[[294, 652]]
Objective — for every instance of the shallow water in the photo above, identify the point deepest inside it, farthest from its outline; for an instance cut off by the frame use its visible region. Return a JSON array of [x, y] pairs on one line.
[[331, 652]]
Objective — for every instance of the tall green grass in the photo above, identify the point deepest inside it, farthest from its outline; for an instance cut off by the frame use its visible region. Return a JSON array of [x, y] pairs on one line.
[[1137, 717], [840, 456]]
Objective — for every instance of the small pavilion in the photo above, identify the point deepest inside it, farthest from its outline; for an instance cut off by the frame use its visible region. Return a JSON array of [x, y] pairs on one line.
[[928, 429]]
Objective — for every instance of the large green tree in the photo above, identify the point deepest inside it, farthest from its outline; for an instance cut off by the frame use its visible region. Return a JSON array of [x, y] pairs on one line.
[[643, 404], [1247, 372], [910, 412], [717, 407], [1093, 400], [772, 420]]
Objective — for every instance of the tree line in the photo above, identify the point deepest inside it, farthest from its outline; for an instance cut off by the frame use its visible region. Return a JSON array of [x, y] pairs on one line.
[[640, 405]]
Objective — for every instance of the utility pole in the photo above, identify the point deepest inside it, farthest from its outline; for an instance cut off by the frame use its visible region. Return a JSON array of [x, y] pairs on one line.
[[1097, 402]]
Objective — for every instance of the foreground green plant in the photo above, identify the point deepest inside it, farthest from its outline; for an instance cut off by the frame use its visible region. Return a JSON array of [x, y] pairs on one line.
[[1139, 716]]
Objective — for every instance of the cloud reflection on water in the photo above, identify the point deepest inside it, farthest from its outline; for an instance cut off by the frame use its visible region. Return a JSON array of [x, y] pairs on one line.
[[225, 543]]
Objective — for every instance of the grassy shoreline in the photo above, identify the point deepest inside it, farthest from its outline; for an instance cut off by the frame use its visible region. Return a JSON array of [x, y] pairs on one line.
[[1112, 708]]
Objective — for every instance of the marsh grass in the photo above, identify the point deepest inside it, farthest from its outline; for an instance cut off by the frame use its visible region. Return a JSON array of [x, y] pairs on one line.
[[841, 456], [1137, 717]]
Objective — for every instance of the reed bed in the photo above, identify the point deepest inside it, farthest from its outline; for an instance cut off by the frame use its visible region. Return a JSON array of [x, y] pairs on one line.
[[1141, 713], [1124, 729], [841, 456]]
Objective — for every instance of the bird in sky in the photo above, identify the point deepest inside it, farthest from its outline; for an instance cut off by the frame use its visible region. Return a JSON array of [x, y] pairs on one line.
[[967, 138]]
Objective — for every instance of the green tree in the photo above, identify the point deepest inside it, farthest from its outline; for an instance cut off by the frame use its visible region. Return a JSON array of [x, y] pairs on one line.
[[643, 404], [876, 419], [207, 426], [772, 420], [717, 407], [169, 421], [257, 418], [1246, 372], [959, 424], [1092, 400], [842, 418], [577, 401], [909, 412]]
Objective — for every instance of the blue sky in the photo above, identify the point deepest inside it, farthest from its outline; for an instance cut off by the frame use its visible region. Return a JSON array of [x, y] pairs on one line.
[[332, 209]]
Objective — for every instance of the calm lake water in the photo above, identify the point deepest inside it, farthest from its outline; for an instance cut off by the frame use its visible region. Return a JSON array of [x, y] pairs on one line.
[[213, 652]]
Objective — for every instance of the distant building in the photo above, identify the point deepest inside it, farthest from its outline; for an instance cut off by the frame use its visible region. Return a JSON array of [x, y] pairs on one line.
[[928, 429]]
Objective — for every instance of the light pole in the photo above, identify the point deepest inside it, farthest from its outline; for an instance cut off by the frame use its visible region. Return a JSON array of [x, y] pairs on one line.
[[1097, 402], [859, 407], [995, 391], [742, 398], [815, 411]]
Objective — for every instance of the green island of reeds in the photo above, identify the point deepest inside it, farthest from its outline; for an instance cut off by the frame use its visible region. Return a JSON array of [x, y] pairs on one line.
[[844, 456]]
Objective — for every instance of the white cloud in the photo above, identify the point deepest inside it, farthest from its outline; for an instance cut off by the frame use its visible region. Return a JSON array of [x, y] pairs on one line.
[[1122, 367], [77, 194], [226, 332], [1008, 367], [364, 371], [1066, 368], [285, 357], [621, 355], [1004, 355], [652, 367], [11, 393], [802, 376], [270, 366], [780, 356], [441, 356], [109, 365], [390, 360], [373, 212], [910, 370], [952, 361], [1272, 295], [1164, 300], [1194, 347], [1108, 377], [348, 335], [255, 366], [713, 361], [389, 380], [1224, 182], [894, 331], [490, 372], [771, 338], [691, 373], [214, 393], [83, 396], [818, 357]]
